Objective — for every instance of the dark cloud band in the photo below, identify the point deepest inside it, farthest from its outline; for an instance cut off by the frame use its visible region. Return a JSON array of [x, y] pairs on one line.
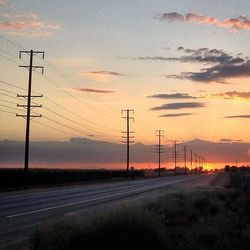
[[180, 105]]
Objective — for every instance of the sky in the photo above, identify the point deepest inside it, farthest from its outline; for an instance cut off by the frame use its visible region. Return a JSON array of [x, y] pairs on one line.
[[182, 65]]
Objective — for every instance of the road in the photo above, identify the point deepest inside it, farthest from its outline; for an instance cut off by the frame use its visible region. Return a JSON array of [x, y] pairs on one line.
[[22, 211]]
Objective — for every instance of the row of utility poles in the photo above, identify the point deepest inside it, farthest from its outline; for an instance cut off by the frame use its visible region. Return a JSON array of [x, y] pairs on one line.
[[199, 161], [127, 135]]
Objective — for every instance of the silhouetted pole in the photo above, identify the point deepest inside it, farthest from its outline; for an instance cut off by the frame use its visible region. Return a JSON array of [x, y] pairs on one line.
[[28, 106], [191, 160], [185, 159], [199, 160], [175, 157], [159, 134], [128, 137], [195, 158]]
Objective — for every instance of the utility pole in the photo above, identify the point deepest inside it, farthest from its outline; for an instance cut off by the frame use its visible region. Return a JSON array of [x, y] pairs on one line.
[[175, 155], [29, 106], [128, 134], [199, 160], [185, 159], [191, 160], [195, 159], [159, 134]]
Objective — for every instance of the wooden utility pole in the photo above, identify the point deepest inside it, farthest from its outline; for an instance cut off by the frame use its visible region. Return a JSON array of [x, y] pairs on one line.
[[175, 155], [185, 159], [128, 135], [159, 134], [29, 106], [191, 161]]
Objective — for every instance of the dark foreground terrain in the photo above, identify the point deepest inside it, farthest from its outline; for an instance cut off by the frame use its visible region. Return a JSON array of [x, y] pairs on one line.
[[21, 212], [204, 219]]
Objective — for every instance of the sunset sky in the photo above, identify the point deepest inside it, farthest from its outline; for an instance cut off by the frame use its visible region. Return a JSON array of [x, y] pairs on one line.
[[182, 65]]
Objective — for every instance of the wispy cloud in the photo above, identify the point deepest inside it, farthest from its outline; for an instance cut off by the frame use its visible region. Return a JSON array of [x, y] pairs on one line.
[[176, 115], [233, 24], [230, 95], [101, 75], [172, 96], [238, 116], [98, 91], [23, 24], [179, 105]]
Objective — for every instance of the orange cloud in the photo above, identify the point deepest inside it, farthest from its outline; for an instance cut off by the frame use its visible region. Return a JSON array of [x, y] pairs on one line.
[[233, 95], [24, 23], [234, 24]]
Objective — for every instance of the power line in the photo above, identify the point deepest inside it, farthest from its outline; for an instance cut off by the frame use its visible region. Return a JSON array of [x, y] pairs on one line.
[[72, 96], [8, 91], [12, 97], [68, 119], [8, 59], [12, 42], [62, 131], [78, 116], [15, 86], [5, 111], [57, 104], [6, 106], [7, 53], [72, 83], [59, 123], [8, 102]]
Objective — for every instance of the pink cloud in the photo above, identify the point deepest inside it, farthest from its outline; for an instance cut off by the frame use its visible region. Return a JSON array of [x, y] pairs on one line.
[[24, 23], [98, 91], [233, 24], [101, 75]]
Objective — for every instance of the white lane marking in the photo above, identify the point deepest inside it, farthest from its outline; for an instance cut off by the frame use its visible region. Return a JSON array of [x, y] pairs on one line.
[[94, 199]]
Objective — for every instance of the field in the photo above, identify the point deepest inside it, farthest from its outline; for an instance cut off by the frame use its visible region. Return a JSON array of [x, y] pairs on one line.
[[13, 178], [218, 219]]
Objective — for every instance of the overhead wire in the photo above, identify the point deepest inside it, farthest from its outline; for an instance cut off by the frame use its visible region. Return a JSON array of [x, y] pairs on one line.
[[76, 86], [5, 111], [45, 107], [57, 129], [12, 42], [10, 84], [70, 120], [66, 92]]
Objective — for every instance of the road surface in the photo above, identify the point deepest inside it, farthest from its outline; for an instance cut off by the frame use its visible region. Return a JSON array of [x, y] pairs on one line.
[[22, 211]]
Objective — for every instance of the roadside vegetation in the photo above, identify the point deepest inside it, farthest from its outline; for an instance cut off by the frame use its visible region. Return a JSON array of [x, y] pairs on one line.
[[193, 220]]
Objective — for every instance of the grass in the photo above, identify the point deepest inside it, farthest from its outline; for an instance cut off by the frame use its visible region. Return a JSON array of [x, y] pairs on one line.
[[197, 220]]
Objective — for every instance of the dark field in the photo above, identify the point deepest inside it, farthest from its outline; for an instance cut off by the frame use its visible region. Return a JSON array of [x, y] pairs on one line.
[[192, 220], [13, 178]]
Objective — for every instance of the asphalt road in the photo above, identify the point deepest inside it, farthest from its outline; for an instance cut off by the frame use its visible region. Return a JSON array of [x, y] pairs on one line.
[[22, 211]]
